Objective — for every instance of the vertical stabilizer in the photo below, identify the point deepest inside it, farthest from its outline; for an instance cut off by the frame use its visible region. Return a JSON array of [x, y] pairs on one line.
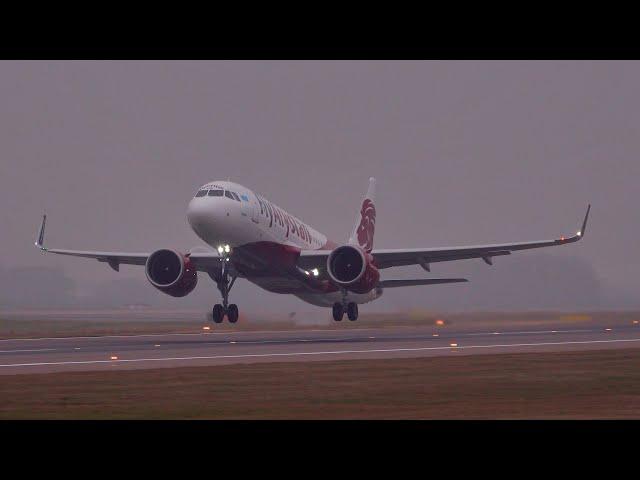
[[366, 220]]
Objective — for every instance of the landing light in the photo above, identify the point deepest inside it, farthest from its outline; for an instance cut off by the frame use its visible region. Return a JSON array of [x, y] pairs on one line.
[[227, 248], [315, 272], [220, 249], [579, 233]]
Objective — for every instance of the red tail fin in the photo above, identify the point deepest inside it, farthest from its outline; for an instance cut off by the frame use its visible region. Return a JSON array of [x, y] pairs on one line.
[[366, 221]]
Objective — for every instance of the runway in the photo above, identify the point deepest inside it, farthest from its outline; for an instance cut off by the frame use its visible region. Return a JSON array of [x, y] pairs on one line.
[[116, 352]]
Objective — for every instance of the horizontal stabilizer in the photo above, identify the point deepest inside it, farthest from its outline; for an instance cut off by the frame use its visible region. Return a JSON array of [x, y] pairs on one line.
[[419, 281]]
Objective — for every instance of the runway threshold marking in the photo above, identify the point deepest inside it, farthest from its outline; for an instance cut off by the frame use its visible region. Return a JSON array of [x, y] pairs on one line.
[[331, 352]]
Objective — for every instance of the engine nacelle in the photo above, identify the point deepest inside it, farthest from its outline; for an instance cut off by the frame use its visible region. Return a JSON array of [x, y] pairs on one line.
[[352, 268], [171, 272]]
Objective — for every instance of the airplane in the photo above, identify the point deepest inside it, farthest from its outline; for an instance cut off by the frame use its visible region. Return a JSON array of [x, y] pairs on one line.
[[255, 239]]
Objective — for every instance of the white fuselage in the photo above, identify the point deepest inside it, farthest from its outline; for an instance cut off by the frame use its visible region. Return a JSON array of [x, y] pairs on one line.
[[241, 218]]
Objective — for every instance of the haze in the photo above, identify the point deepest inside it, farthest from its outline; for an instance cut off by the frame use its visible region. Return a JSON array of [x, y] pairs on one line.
[[465, 153]]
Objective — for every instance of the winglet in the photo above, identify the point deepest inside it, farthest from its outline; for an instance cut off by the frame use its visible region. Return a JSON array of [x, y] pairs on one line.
[[40, 239], [584, 223]]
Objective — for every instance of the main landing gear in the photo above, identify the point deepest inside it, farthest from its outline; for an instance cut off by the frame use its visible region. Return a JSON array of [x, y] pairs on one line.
[[339, 310], [350, 308], [224, 283]]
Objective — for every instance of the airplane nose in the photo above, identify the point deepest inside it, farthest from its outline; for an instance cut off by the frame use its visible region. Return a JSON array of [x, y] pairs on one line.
[[207, 219], [212, 219], [198, 215]]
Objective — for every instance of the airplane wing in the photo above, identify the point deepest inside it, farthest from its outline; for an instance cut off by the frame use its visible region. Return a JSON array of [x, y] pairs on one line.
[[204, 261], [386, 258]]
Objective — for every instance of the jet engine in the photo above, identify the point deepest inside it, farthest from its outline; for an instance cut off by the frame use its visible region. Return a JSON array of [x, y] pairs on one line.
[[352, 268], [171, 272]]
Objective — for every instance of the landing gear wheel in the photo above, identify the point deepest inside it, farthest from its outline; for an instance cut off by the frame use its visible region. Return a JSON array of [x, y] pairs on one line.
[[352, 311], [338, 312], [232, 313], [218, 313]]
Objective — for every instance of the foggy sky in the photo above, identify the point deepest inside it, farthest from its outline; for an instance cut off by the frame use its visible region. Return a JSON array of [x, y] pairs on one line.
[[465, 153]]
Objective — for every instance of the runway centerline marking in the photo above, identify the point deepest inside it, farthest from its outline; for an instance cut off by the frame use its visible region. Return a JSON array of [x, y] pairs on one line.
[[330, 352]]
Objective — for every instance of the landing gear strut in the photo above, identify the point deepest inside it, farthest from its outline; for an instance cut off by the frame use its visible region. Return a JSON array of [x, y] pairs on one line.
[[340, 308], [224, 283]]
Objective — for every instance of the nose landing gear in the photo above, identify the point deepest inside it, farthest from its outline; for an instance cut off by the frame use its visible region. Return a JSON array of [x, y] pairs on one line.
[[224, 283], [231, 310], [219, 312]]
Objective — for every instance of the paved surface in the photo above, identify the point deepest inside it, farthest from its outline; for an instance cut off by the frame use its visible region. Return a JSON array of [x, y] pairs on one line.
[[213, 348]]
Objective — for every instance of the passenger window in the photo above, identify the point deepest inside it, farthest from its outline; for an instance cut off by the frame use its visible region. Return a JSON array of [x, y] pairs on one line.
[[201, 193], [215, 193]]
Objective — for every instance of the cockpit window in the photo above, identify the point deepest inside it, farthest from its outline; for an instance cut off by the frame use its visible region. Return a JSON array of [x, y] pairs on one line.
[[227, 194], [215, 193], [201, 193], [235, 196]]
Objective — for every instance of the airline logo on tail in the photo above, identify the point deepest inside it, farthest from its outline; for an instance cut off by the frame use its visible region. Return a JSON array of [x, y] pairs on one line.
[[366, 220], [367, 225]]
